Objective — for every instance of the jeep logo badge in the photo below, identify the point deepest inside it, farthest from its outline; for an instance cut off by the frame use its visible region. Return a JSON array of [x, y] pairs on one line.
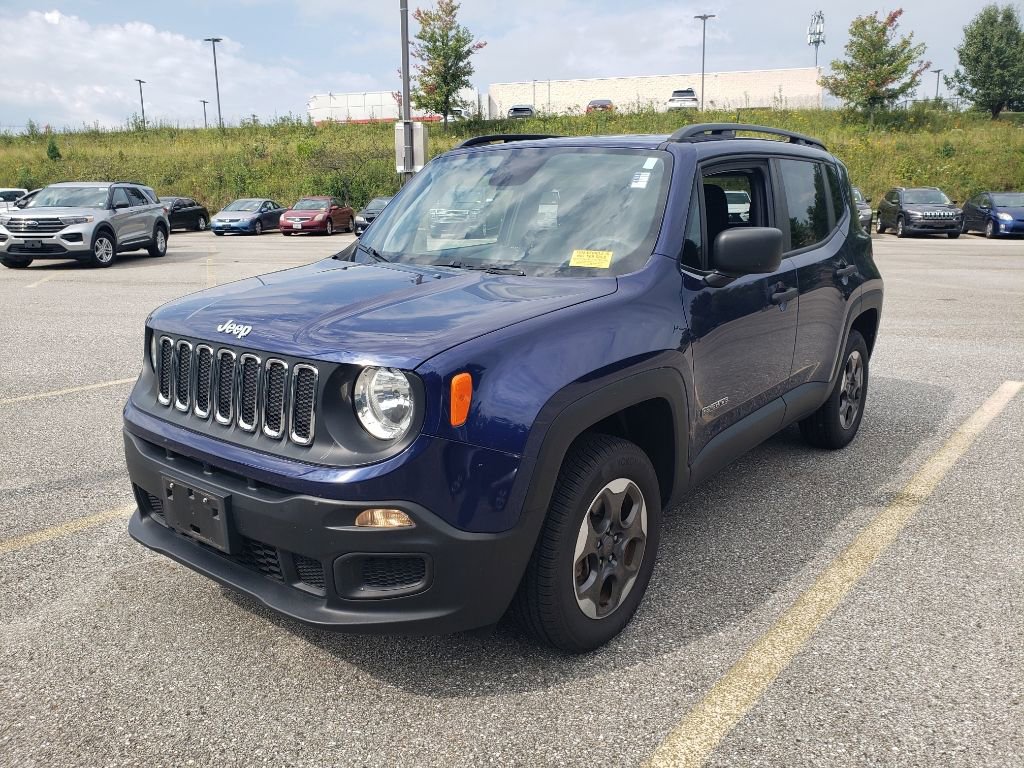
[[239, 331]]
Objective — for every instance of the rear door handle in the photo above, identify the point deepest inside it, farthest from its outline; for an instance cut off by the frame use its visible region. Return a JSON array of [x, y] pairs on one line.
[[783, 296], [846, 271]]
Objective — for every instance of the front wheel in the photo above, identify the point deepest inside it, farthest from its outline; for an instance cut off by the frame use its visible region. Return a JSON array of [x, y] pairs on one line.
[[218, 234], [12, 263], [952, 235], [104, 250], [836, 422], [990, 229], [594, 556], [258, 229], [900, 231], [329, 230]]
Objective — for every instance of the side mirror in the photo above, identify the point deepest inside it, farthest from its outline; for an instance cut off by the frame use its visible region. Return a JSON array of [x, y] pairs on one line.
[[121, 205], [955, 202], [867, 199], [748, 251]]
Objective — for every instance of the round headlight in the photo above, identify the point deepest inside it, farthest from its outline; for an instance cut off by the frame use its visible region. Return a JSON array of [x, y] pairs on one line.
[[383, 401]]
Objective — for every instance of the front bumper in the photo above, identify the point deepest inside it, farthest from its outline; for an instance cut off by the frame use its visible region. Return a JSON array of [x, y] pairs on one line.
[[303, 226], [247, 226], [932, 226], [1014, 227], [300, 554], [73, 242]]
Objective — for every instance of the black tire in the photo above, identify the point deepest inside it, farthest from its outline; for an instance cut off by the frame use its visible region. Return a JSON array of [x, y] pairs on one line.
[[201, 224], [158, 246], [12, 263], [351, 225], [952, 235], [329, 228], [258, 229], [547, 603], [104, 249], [879, 226], [900, 230], [286, 233], [990, 230], [218, 234], [832, 425]]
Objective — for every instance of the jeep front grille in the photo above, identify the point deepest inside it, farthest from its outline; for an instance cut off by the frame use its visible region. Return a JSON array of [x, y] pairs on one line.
[[239, 390]]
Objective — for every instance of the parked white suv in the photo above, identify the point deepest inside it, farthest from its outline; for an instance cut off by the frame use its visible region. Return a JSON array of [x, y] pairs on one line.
[[91, 221], [684, 98]]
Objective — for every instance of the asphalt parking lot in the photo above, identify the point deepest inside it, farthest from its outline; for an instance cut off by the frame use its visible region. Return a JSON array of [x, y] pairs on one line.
[[863, 607]]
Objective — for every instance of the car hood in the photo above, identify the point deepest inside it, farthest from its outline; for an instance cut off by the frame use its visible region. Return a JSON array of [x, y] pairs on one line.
[[927, 208], [395, 315], [223, 214], [303, 212], [38, 213]]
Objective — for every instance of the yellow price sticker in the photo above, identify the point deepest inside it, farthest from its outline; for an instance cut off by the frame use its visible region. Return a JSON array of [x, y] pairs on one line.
[[597, 259]]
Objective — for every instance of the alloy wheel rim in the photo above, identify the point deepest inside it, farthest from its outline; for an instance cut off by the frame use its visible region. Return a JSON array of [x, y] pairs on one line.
[[330, 228], [202, 223], [610, 547], [161, 241], [991, 229], [852, 391], [899, 227], [104, 250], [259, 228]]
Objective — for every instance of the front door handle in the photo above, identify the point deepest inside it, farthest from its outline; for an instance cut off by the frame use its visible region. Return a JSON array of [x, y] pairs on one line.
[[846, 271], [782, 297]]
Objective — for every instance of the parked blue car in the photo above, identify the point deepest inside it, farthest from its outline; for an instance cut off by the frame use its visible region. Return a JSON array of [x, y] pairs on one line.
[[250, 216], [429, 429], [995, 214]]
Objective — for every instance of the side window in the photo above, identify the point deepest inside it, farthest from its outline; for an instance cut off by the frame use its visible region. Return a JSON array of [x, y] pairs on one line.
[[839, 206], [266, 206], [807, 209], [120, 196], [693, 244], [736, 196], [136, 197], [892, 196]]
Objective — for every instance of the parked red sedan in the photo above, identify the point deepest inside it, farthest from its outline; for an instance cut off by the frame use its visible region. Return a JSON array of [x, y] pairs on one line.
[[322, 214]]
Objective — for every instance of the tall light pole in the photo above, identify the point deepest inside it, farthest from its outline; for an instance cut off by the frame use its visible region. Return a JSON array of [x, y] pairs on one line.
[[937, 72], [216, 78], [703, 45], [204, 102], [816, 33], [142, 102], [407, 156]]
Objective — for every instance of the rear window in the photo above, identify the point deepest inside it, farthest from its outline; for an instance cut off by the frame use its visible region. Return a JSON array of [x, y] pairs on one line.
[[684, 94]]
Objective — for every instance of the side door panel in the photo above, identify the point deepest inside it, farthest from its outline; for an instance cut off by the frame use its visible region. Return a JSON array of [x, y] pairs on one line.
[[120, 219]]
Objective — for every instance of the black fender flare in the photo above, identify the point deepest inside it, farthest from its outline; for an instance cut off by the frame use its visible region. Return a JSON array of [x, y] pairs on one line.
[[103, 228]]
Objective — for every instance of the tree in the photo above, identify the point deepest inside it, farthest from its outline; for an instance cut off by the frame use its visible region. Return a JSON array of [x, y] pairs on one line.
[[444, 54], [52, 150], [991, 71], [880, 66]]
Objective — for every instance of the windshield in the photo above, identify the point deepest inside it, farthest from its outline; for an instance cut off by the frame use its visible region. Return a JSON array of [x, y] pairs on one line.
[[857, 196], [1009, 199], [243, 205], [71, 197], [377, 203], [310, 205], [555, 211], [924, 197]]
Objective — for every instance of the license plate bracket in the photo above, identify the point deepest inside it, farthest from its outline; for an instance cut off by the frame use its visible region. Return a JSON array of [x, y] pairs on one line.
[[198, 513], [296, 225]]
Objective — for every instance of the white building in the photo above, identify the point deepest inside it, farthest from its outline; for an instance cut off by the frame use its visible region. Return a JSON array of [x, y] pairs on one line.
[[792, 88], [368, 107]]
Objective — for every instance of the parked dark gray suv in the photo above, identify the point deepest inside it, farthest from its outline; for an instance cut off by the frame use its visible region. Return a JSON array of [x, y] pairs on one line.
[[919, 210], [91, 221]]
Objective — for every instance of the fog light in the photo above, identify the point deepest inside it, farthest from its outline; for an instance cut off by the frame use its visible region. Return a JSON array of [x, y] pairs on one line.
[[383, 518]]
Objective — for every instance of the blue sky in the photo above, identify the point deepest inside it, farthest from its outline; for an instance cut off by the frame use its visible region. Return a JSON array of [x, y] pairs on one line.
[[69, 63]]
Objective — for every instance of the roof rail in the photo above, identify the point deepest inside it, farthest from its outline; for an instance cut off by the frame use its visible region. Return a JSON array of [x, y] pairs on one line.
[[711, 131], [494, 138]]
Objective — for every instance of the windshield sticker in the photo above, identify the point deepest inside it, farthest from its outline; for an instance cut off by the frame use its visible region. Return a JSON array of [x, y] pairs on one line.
[[596, 259], [650, 163], [547, 216], [640, 179]]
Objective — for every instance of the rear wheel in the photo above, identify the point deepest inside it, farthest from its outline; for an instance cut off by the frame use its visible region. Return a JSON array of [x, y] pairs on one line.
[[880, 227], [351, 224], [159, 245], [595, 554], [104, 250], [12, 263], [201, 223], [836, 422]]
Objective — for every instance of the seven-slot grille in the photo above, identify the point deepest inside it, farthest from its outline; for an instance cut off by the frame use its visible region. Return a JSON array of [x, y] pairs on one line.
[[938, 214], [238, 390]]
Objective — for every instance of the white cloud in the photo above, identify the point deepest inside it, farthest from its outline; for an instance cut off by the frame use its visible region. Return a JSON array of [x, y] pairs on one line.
[[62, 70]]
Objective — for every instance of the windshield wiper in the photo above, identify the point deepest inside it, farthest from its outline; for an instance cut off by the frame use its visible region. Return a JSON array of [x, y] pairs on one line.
[[494, 269], [370, 250]]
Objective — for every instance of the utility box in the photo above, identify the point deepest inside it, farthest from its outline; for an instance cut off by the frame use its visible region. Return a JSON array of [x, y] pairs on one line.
[[419, 147]]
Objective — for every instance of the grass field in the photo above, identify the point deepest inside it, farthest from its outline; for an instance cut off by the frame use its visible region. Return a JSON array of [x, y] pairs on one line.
[[962, 153]]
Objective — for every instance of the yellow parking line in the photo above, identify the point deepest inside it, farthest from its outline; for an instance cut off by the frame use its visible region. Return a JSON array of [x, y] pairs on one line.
[[71, 526], [39, 282], [68, 391], [210, 282], [728, 701]]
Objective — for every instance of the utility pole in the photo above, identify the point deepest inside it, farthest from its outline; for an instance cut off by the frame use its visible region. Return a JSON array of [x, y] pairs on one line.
[[204, 103], [142, 102], [703, 45], [216, 78], [408, 161], [937, 72], [816, 33]]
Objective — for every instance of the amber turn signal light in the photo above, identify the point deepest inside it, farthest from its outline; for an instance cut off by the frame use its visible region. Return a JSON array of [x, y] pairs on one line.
[[462, 396], [383, 518]]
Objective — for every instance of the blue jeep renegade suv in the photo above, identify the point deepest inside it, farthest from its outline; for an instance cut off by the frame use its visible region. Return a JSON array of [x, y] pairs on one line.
[[486, 402]]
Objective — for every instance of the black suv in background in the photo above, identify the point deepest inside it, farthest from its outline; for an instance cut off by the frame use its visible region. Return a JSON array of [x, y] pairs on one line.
[[919, 210]]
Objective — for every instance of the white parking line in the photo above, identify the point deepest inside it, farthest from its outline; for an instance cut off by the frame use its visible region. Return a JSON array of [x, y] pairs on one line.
[[68, 391], [42, 280]]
